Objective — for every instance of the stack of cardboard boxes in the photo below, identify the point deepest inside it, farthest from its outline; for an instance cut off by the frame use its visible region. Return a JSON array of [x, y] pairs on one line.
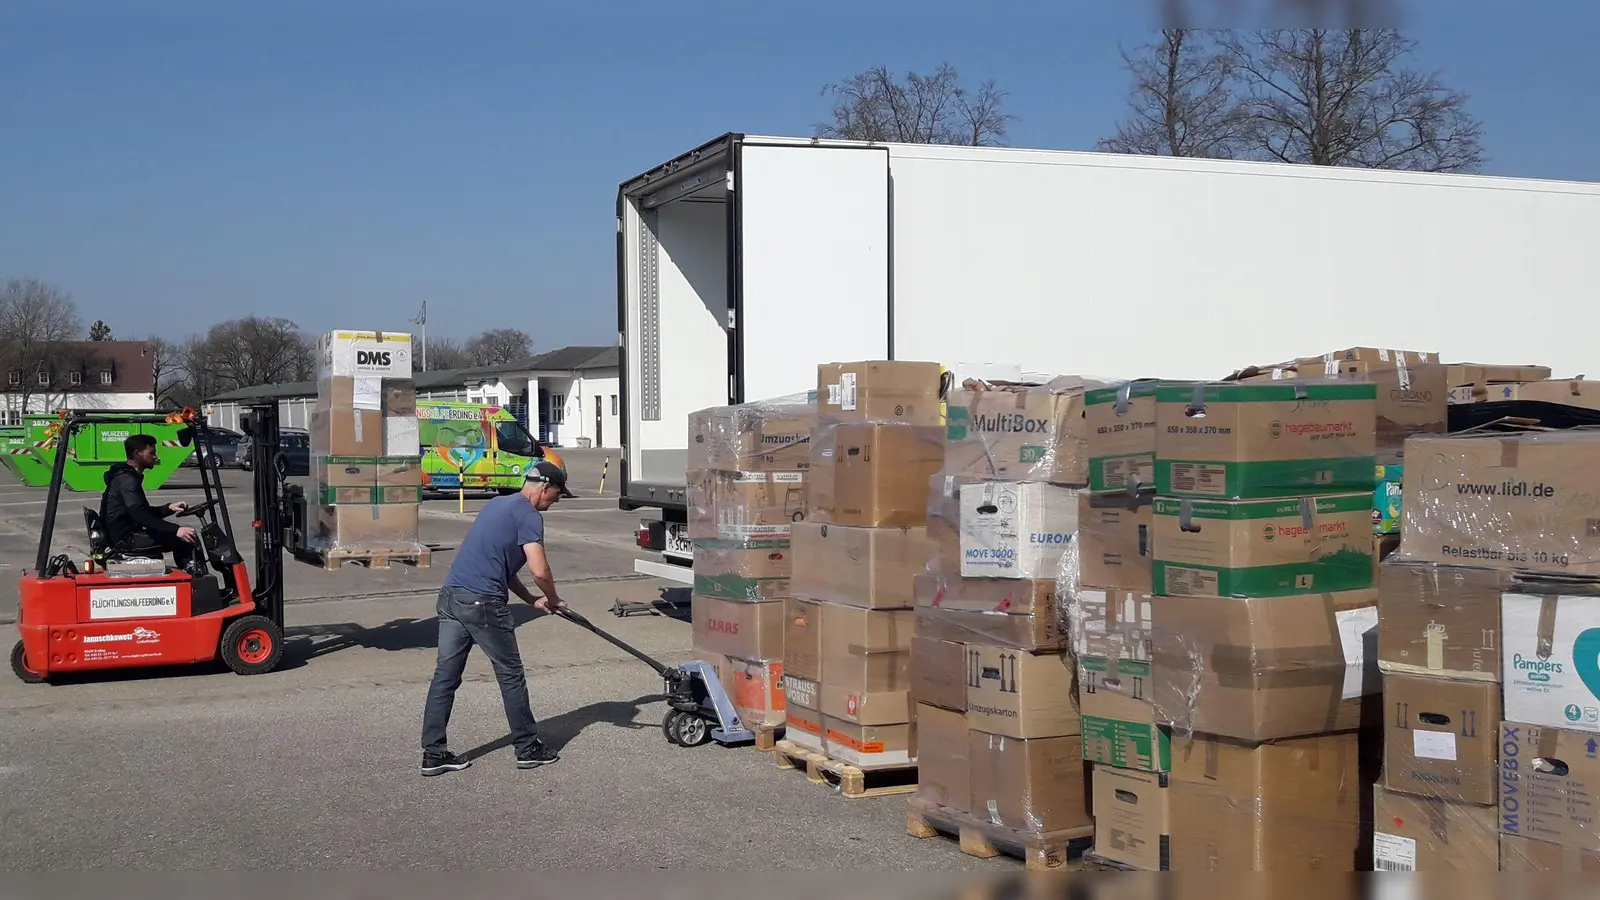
[[1492, 696], [746, 495], [1105, 584], [1001, 738], [1262, 602], [847, 639], [366, 459]]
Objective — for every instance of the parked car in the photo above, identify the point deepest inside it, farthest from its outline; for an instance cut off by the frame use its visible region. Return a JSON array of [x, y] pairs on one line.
[[293, 443], [222, 454]]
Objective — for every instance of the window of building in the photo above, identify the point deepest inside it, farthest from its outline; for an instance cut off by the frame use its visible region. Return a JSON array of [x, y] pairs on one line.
[[44, 377], [558, 409], [16, 379], [76, 378], [105, 377], [613, 404]]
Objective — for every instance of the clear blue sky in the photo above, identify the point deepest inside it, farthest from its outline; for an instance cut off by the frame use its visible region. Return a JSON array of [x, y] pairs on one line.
[[173, 164]]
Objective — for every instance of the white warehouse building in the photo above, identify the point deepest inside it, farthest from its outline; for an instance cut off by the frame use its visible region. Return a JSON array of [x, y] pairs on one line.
[[566, 398]]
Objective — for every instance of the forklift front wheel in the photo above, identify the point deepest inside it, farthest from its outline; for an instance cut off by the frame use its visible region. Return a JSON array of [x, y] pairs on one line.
[[19, 666], [252, 645], [691, 730]]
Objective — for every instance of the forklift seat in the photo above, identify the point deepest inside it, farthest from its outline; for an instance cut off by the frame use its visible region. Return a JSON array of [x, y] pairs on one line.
[[100, 550]]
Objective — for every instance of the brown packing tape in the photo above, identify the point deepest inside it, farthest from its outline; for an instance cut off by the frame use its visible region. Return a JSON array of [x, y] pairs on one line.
[[1547, 626], [1544, 740], [1508, 453]]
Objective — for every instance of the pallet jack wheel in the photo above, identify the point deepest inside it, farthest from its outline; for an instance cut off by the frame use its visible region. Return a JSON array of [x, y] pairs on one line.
[[691, 730], [669, 725], [252, 645], [19, 666]]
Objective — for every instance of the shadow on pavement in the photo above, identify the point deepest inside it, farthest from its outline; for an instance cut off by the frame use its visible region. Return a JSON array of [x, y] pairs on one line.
[[557, 731], [303, 643]]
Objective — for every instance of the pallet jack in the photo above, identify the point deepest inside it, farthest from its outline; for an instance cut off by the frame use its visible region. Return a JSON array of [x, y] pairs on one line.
[[699, 711], [128, 609]]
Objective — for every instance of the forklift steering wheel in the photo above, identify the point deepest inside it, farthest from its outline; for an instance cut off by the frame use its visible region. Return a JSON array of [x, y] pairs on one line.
[[196, 510]]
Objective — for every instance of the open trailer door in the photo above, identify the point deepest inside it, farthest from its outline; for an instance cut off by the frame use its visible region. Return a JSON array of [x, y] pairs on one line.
[[813, 256]]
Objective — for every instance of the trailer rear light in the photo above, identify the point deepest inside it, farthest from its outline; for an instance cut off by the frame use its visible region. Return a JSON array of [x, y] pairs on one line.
[[642, 536]]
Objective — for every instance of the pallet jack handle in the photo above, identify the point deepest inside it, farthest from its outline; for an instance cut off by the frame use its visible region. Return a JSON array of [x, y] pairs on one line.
[[581, 622]]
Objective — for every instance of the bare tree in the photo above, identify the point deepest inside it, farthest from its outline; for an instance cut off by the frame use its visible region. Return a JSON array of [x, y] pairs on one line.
[[244, 353], [38, 325], [166, 368], [446, 353], [496, 346], [1182, 99], [926, 109], [1345, 98]]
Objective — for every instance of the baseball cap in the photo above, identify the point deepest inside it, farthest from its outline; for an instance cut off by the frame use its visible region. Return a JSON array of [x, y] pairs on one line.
[[551, 473]]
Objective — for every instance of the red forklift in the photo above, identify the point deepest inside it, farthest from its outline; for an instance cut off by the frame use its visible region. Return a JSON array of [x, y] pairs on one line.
[[130, 608]]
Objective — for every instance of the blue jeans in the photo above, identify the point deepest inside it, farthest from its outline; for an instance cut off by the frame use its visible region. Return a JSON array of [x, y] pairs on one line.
[[466, 619]]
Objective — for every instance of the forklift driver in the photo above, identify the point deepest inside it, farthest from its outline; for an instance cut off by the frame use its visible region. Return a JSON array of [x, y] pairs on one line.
[[131, 523]]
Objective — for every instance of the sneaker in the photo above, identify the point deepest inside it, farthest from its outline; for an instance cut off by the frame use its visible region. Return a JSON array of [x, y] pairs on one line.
[[441, 763], [538, 756]]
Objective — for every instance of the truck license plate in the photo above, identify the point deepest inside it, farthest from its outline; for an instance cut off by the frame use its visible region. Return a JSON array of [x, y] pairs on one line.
[[678, 543]]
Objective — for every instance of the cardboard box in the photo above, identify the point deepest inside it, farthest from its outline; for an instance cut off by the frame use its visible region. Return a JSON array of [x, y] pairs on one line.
[[1263, 548], [1472, 373], [1021, 695], [1121, 435], [802, 638], [1439, 619], [1504, 501], [1132, 818], [1549, 653], [944, 766], [1120, 725], [1114, 624], [1549, 781], [881, 472], [870, 746], [737, 628], [755, 687], [345, 480], [744, 505], [939, 673], [373, 355], [1016, 529], [1418, 834], [866, 665], [1014, 596], [1520, 854], [904, 391], [1411, 397], [1441, 738], [1259, 669], [802, 699], [1018, 432], [1115, 546], [1584, 394], [367, 527], [1292, 805], [752, 437], [868, 567], [750, 570], [1036, 786], [1033, 632], [1247, 441], [347, 432]]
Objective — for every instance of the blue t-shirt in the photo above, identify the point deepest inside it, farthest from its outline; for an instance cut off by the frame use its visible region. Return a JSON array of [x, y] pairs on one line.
[[491, 554]]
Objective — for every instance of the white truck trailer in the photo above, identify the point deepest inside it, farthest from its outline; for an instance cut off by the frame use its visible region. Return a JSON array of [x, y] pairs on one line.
[[746, 261]]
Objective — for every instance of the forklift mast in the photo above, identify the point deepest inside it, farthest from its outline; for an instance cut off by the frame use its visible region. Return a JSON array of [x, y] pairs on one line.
[[261, 423]]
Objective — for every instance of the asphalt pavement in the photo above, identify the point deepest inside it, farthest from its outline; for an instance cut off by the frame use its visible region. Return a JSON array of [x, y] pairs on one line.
[[314, 766]]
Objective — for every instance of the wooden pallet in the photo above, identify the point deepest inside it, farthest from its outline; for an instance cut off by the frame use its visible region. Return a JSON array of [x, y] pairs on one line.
[[421, 558], [851, 781], [1051, 852]]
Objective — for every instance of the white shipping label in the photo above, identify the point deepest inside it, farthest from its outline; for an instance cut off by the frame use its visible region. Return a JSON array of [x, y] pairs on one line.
[[368, 393], [1561, 689], [1393, 853], [1433, 745], [847, 391], [1358, 636], [133, 602]]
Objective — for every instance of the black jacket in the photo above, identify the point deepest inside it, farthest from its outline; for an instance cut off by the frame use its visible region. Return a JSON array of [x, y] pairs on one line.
[[124, 509]]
